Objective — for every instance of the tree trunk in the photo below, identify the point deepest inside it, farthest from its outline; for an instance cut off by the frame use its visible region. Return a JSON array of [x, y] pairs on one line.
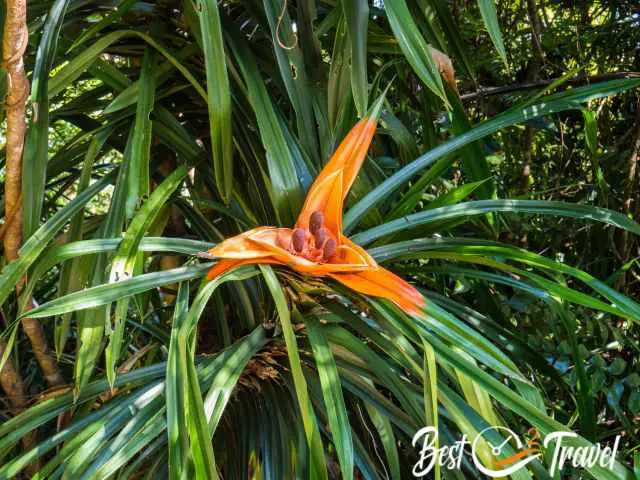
[[13, 386], [14, 43]]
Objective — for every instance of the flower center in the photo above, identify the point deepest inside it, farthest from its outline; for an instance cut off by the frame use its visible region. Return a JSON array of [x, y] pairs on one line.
[[316, 244]]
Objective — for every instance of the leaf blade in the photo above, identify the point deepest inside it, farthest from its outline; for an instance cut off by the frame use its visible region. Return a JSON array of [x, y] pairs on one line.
[[219, 97]]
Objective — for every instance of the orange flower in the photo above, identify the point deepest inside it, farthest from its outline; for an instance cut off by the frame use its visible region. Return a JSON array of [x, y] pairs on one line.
[[316, 245]]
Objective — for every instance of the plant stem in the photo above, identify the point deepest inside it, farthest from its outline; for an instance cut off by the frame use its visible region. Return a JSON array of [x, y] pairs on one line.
[[14, 43], [13, 385]]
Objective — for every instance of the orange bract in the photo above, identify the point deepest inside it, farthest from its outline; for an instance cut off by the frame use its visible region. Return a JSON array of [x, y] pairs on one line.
[[316, 245]]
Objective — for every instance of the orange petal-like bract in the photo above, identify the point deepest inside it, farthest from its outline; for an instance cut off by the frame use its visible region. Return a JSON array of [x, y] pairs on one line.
[[347, 262], [328, 192]]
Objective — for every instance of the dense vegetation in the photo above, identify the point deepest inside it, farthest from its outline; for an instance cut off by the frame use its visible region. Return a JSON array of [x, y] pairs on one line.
[[502, 182]]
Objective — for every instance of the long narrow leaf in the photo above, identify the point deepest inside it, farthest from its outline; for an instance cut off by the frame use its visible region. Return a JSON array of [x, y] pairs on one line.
[[482, 207], [570, 100], [318, 465], [490, 17], [333, 398], [219, 97], [37, 143]]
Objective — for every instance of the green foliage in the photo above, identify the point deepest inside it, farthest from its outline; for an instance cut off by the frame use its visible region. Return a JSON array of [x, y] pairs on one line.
[[219, 97], [158, 129]]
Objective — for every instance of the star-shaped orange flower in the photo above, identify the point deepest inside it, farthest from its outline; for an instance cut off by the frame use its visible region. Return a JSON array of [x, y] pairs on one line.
[[316, 245]]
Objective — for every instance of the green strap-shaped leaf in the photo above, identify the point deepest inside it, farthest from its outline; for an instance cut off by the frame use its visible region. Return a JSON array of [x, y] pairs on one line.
[[286, 190], [380, 369], [128, 255], [522, 407], [179, 461], [37, 242], [472, 248], [219, 97], [199, 438], [415, 194], [482, 207], [430, 386], [72, 436], [388, 440], [83, 457], [318, 465], [73, 275], [333, 398], [163, 72], [138, 154], [110, 292], [37, 142], [109, 19], [130, 444], [471, 423], [474, 162], [291, 64], [546, 289], [449, 30], [591, 139], [414, 46], [339, 93], [490, 17], [356, 13], [456, 195], [81, 62], [197, 424], [569, 100], [62, 253], [126, 439], [448, 327], [91, 324], [227, 377]]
